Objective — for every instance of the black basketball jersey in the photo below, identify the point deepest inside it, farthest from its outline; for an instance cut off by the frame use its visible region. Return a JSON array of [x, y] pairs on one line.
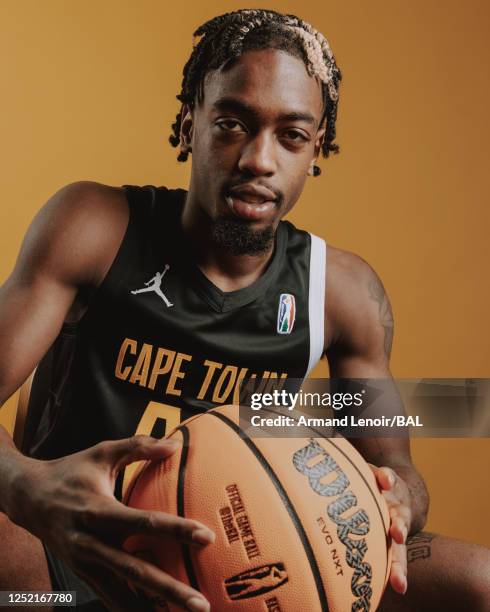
[[159, 342]]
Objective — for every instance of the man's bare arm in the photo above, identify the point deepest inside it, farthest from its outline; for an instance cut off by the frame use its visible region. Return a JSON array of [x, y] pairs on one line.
[[358, 345], [64, 251], [68, 502]]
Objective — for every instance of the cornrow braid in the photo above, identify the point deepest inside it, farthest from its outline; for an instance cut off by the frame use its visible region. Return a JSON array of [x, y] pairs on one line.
[[225, 38]]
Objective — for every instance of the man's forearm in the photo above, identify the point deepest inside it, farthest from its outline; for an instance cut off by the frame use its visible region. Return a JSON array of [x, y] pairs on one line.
[[418, 494], [12, 463]]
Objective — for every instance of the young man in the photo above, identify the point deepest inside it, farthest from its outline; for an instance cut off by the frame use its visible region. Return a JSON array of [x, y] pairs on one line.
[[153, 300]]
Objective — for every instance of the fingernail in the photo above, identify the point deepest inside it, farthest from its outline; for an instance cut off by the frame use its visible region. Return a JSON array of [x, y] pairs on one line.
[[405, 586], [203, 536], [197, 604], [405, 534], [391, 479]]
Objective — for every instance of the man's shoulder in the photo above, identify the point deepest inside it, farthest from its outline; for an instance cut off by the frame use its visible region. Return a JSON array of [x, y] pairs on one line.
[[84, 208], [90, 197], [346, 268], [354, 293], [77, 232]]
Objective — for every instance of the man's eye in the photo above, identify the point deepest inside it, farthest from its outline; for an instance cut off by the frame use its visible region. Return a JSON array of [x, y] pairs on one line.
[[229, 125], [295, 136]]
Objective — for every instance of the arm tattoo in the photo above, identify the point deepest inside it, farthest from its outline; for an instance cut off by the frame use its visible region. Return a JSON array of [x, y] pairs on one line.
[[418, 546], [378, 294]]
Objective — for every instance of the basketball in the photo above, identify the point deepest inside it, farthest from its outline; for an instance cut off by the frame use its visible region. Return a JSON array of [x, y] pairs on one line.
[[300, 524]]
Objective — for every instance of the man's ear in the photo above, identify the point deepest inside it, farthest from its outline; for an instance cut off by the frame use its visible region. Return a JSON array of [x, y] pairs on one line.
[[319, 138], [186, 128]]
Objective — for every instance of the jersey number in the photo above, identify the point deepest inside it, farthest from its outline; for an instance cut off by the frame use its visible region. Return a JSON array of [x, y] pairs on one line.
[[157, 420]]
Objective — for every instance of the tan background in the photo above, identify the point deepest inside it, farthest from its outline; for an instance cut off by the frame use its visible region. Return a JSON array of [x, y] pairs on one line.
[[88, 93]]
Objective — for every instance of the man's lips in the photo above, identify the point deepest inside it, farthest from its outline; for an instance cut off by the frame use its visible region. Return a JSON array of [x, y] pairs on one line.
[[251, 202], [250, 211], [254, 194]]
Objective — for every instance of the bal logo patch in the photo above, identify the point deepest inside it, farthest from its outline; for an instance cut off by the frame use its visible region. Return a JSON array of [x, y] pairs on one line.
[[286, 313]]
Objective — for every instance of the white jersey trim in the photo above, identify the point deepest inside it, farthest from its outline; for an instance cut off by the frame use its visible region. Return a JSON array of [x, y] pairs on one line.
[[316, 300]]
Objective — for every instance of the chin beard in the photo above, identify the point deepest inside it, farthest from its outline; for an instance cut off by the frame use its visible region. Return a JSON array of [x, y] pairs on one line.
[[238, 238]]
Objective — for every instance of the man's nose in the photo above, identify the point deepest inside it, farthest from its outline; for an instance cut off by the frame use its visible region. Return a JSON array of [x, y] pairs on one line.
[[258, 156]]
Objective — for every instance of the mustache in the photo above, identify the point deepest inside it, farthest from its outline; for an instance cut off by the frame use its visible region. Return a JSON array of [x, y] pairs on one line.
[[236, 185]]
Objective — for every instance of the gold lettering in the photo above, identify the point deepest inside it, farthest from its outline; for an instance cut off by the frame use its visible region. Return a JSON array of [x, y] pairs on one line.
[[262, 385], [127, 344], [157, 365], [273, 383], [236, 391], [176, 373], [212, 367], [229, 372], [140, 371]]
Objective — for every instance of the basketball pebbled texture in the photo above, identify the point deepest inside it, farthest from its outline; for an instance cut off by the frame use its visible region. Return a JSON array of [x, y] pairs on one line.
[[300, 524]]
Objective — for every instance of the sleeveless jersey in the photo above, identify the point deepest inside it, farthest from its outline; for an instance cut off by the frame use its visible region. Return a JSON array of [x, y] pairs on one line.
[[160, 342]]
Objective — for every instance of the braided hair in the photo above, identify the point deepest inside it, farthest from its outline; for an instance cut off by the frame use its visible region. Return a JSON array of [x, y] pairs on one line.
[[222, 40]]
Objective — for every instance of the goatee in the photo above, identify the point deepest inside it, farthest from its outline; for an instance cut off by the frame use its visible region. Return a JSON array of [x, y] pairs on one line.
[[238, 238]]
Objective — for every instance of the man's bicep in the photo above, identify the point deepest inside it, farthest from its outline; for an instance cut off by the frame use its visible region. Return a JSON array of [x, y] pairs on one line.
[[359, 310], [60, 253], [359, 314], [31, 315]]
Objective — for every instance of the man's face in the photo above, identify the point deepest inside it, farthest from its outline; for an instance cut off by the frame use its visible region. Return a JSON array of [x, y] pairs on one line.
[[253, 138]]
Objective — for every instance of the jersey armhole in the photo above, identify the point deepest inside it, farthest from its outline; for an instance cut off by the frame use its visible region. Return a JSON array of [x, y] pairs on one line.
[[316, 300], [121, 263]]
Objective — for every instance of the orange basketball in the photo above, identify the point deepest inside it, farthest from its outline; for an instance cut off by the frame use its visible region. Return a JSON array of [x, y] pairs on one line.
[[300, 524]]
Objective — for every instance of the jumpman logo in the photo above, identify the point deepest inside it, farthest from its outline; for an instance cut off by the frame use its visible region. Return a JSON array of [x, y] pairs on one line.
[[154, 284]]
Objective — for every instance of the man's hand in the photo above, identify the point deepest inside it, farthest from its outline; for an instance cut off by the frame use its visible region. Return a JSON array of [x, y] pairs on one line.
[[69, 504], [397, 496]]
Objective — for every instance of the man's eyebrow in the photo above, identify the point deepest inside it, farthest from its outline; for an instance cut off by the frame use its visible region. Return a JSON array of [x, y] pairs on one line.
[[232, 104]]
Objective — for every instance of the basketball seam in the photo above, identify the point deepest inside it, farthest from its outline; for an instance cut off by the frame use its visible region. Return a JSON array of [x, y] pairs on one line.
[[129, 491], [186, 555], [287, 504]]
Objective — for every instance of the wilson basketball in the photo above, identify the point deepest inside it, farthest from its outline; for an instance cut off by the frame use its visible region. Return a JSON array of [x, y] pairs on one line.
[[300, 524]]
